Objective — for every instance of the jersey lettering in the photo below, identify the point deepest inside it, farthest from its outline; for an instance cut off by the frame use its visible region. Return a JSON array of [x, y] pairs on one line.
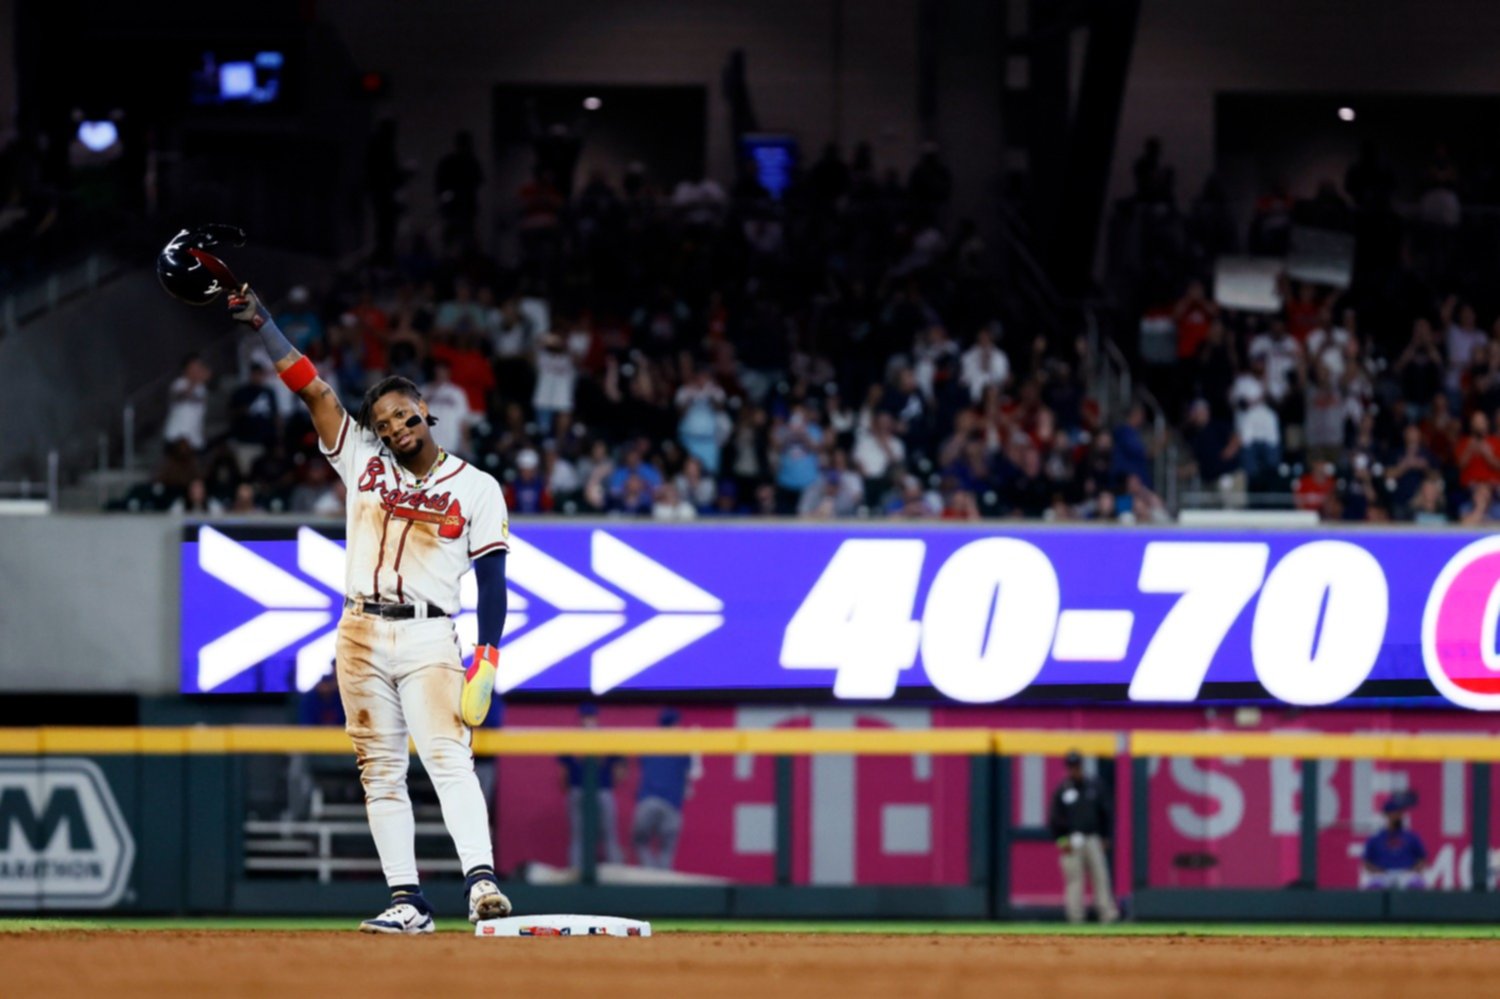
[[405, 564], [374, 472]]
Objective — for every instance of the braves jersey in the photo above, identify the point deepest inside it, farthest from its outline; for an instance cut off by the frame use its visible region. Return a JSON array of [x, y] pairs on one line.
[[410, 543]]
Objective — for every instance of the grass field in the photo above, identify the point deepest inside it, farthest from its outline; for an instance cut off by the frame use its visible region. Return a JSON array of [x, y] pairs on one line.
[[681, 926]]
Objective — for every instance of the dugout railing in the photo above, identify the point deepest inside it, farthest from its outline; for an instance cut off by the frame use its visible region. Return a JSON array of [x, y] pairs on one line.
[[179, 793]]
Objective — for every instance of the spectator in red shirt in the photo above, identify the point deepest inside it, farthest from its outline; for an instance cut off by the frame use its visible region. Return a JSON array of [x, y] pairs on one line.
[[1194, 313], [1479, 454], [1303, 309], [370, 314], [1440, 431], [1314, 486], [471, 369]]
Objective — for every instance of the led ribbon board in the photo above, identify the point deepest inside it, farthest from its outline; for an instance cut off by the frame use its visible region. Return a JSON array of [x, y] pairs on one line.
[[975, 615]]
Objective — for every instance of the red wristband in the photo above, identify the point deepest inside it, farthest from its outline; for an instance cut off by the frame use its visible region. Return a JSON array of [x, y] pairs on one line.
[[300, 375]]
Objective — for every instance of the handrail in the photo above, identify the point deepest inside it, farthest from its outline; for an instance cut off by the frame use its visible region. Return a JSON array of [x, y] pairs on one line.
[[21, 305]]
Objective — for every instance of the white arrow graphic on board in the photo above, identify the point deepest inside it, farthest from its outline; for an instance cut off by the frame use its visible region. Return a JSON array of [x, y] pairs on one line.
[[589, 612], [294, 609], [688, 613]]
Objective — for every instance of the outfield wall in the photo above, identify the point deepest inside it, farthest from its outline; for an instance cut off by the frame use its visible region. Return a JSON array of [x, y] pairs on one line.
[[154, 820]]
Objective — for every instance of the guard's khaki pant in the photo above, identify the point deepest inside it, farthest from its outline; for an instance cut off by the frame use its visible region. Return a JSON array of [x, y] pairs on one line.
[[1074, 861]]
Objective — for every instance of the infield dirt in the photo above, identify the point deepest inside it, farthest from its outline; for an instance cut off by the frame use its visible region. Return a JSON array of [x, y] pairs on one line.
[[682, 966]]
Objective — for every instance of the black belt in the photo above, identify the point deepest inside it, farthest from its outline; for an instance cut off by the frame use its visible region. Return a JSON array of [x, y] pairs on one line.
[[393, 612]]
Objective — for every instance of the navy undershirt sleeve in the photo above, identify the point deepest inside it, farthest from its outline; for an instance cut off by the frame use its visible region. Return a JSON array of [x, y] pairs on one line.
[[489, 573]]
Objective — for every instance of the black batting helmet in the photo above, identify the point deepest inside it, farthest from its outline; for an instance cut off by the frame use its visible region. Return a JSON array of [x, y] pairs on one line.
[[189, 272]]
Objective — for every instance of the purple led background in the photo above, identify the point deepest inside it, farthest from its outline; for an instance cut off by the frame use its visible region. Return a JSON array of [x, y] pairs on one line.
[[762, 573]]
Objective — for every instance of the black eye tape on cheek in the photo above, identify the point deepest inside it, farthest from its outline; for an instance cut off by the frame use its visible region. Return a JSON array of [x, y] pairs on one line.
[[413, 420]]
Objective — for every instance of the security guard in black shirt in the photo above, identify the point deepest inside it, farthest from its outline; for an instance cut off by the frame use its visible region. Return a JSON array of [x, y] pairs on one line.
[[1081, 822]]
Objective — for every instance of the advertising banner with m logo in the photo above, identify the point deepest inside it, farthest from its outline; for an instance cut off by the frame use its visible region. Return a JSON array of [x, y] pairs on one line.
[[63, 841]]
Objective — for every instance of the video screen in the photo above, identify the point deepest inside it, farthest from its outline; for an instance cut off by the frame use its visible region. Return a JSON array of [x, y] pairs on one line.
[[236, 79]]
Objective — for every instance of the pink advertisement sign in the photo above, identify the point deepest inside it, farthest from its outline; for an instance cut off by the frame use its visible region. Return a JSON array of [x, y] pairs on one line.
[[905, 820]]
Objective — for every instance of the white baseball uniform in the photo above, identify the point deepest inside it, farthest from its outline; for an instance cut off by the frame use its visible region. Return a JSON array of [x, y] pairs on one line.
[[409, 542]]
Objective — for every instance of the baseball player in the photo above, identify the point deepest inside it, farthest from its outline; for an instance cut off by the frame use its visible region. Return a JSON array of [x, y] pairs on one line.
[[417, 518]]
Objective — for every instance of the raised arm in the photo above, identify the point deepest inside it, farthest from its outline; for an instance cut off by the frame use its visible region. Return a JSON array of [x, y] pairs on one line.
[[296, 371]]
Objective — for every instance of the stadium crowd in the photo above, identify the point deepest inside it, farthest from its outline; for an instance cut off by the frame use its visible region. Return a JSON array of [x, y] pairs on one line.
[[840, 350], [1374, 402]]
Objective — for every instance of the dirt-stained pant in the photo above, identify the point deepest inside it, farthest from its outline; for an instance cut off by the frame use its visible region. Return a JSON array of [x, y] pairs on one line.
[[400, 678], [1090, 855]]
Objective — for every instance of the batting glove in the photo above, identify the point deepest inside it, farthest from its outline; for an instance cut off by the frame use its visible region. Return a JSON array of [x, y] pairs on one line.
[[244, 305], [479, 685]]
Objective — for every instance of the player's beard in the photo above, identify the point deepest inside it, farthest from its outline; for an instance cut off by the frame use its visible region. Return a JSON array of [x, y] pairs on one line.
[[411, 452]]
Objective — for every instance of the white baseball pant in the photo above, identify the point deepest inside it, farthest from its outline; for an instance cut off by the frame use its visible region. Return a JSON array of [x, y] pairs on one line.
[[405, 677]]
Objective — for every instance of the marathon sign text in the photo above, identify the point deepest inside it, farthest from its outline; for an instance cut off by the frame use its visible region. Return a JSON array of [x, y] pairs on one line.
[[965, 614], [63, 842]]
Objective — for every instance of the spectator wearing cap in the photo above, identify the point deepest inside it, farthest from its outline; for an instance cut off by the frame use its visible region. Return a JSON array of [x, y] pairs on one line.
[[300, 321], [1081, 822], [666, 782], [607, 769], [253, 422], [838, 491], [528, 492], [1282, 354], [1395, 857]]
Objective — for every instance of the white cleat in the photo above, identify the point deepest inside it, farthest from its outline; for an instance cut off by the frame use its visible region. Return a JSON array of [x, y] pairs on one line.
[[401, 917], [487, 902]]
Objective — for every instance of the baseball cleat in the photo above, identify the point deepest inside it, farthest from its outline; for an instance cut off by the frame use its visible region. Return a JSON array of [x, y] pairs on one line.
[[401, 917], [487, 902]]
